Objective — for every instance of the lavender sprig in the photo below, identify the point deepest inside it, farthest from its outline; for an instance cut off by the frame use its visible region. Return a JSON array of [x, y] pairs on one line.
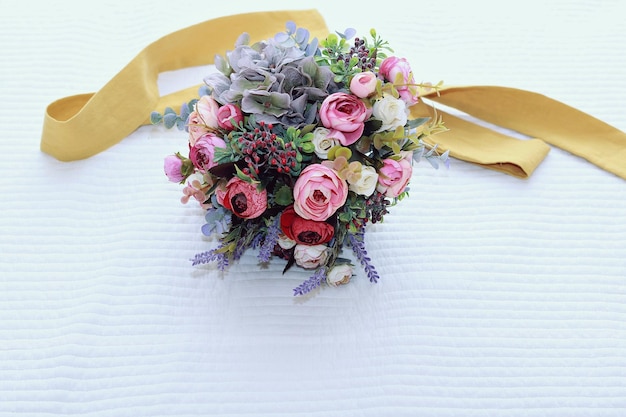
[[256, 241], [271, 237], [310, 284], [211, 256], [240, 248], [358, 246]]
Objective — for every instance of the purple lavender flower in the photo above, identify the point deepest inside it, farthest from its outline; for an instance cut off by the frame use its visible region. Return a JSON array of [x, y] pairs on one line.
[[358, 246], [211, 256], [271, 237], [310, 284]]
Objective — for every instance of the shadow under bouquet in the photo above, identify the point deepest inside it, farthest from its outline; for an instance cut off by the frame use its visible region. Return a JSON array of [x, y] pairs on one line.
[[295, 145]]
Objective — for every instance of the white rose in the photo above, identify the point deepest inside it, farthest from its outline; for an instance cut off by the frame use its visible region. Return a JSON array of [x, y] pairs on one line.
[[322, 142], [310, 257], [285, 243], [340, 274], [391, 111], [366, 184]]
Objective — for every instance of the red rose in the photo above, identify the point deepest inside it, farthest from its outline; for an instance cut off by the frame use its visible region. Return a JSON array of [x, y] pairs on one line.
[[243, 199], [303, 231]]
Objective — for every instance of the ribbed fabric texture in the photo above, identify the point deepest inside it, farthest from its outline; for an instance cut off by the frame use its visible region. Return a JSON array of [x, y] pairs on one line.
[[498, 297]]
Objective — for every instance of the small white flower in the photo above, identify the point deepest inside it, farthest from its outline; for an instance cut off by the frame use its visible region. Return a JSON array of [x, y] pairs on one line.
[[366, 184], [310, 257], [285, 243], [322, 142], [339, 274], [391, 111]]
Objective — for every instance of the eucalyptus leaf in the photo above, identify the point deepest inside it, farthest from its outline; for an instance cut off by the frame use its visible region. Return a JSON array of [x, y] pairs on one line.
[[156, 118], [302, 36], [291, 26], [169, 120]]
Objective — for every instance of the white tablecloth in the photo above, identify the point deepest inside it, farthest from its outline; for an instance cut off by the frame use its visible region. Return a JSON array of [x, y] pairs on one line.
[[499, 296]]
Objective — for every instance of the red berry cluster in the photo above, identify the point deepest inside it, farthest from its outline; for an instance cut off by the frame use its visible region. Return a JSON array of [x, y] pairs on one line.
[[263, 151]]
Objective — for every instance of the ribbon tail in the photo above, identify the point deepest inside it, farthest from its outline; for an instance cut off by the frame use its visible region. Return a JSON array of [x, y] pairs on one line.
[[544, 118]]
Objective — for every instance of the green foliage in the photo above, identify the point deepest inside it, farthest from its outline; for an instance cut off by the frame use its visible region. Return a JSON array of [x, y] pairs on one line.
[[169, 118], [283, 196]]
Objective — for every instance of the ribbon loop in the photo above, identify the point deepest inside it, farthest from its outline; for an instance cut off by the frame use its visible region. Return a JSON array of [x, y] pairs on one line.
[[80, 126]]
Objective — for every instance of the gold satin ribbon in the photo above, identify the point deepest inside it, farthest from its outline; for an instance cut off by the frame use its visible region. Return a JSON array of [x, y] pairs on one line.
[[80, 126]]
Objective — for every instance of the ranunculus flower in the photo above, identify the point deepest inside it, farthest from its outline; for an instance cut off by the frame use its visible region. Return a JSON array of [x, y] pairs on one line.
[[207, 109], [172, 166], [303, 231], [366, 184], [227, 114], [394, 177], [339, 274], [322, 142], [345, 113], [203, 119], [220, 191], [363, 84], [392, 112], [196, 128], [318, 192], [203, 151], [398, 71], [243, 199], [310, 257]]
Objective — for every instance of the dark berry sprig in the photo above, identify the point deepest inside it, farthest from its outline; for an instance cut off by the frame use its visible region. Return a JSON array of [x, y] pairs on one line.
[[376, 206], [366, 57]]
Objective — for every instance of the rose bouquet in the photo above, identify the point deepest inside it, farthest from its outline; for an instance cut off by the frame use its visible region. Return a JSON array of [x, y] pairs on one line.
[[295, 145]]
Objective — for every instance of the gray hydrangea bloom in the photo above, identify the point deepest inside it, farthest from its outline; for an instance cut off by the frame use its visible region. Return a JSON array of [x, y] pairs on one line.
[[277, 81], [265, 102]]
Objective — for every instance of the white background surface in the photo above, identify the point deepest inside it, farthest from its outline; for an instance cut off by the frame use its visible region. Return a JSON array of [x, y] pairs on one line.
[[499, 296]]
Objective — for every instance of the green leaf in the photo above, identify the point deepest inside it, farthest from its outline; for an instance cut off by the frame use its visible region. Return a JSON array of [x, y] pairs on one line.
[[306, 147], [283, 196], [243, 176], [331, 40], [412, 124]]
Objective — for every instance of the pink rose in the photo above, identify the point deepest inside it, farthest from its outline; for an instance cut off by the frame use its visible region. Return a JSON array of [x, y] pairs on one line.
[[394, 176], [228, 114], [172, 167], [203, 119], [243, 199], [363, 84], [310, 257], [318, 193], [398, 71], [346, 114], [203, 152]]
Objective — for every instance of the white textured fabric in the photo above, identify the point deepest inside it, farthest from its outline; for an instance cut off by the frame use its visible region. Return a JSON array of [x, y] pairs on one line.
[[499, 296]]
